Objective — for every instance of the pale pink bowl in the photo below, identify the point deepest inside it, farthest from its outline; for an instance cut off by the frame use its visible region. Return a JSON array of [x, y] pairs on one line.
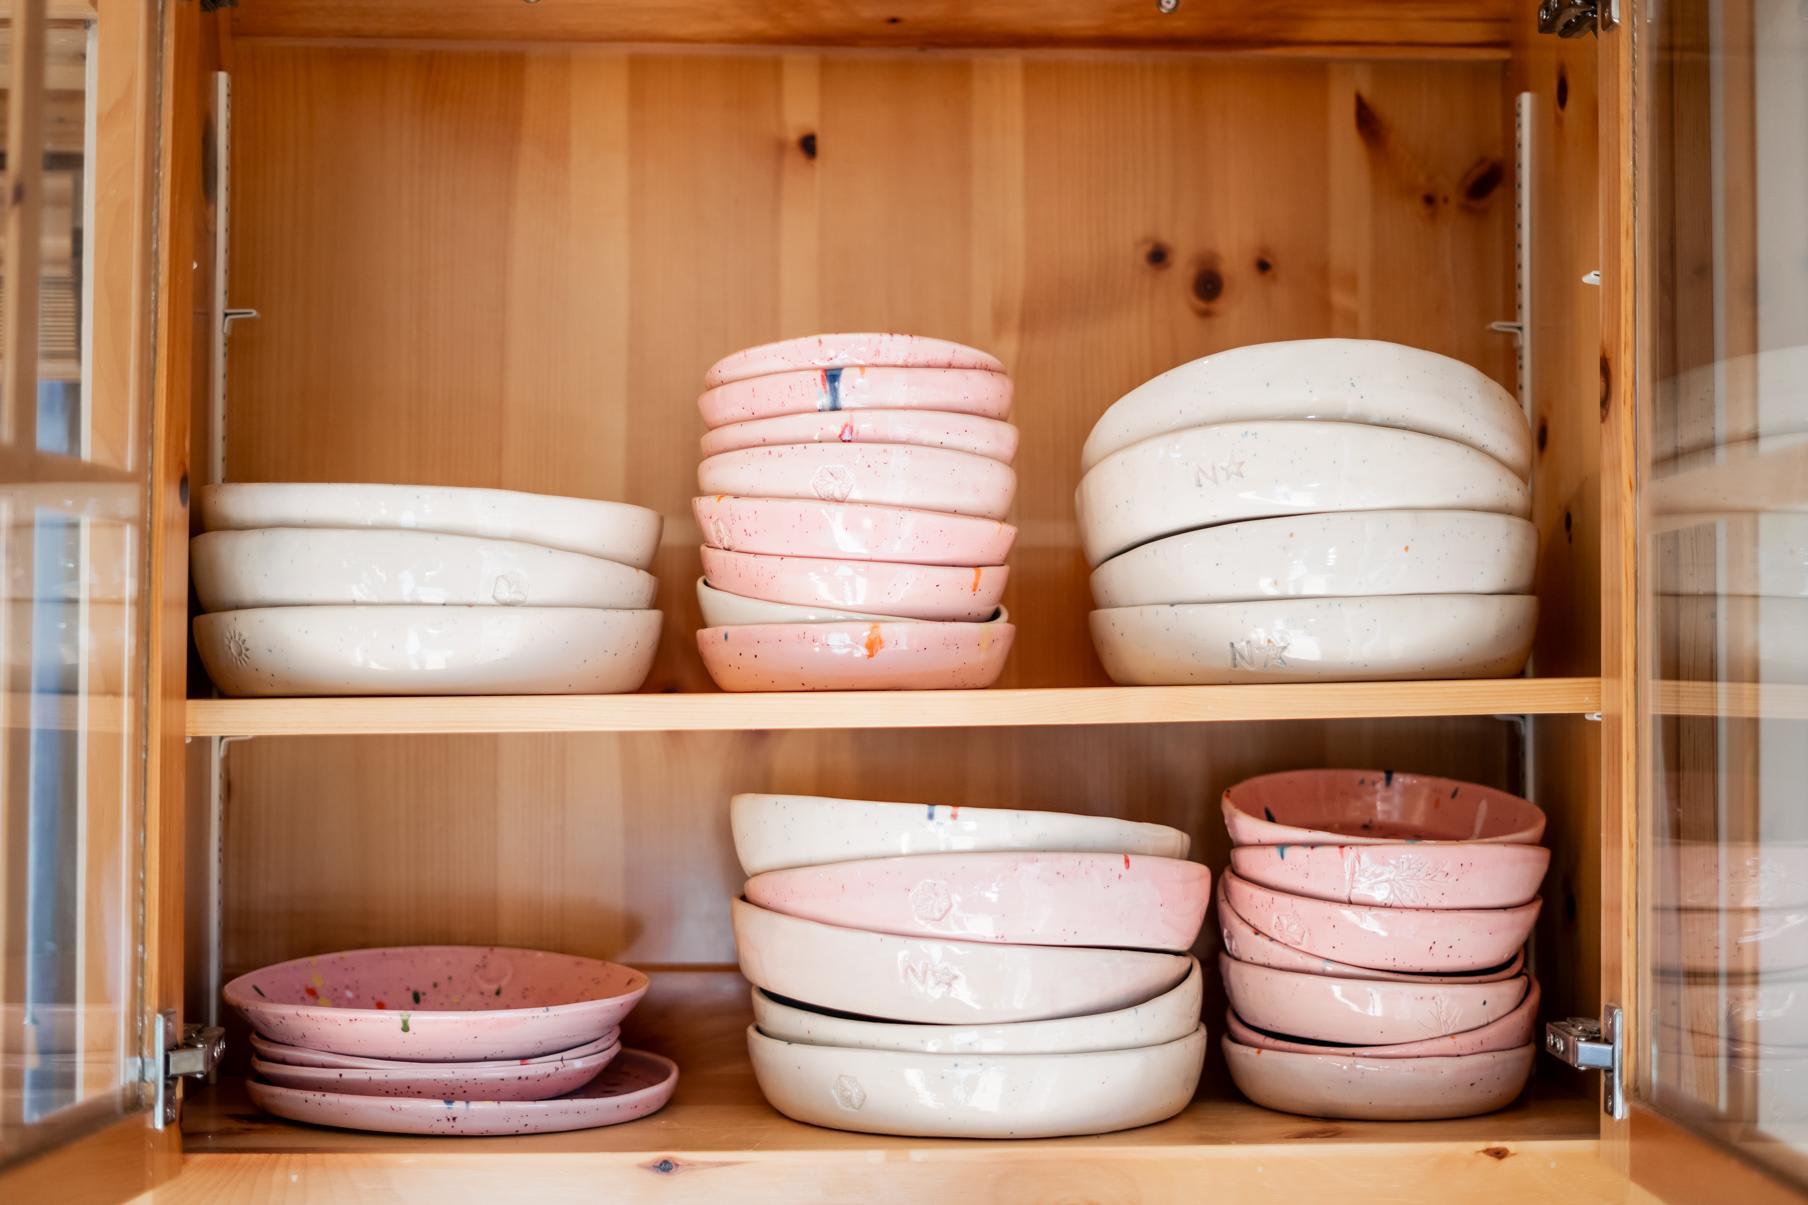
[[526, 1080], [856, 656], [887, 474], [1511, 1032], [1423, 875], [1379, 1089], [1052, 899], [1362, 1012], [1371, 807], [474, 1002], [1394, 939], [924, 428], [851, 530], [946, 592], [871, 349], [954, 390], [301, 1056]]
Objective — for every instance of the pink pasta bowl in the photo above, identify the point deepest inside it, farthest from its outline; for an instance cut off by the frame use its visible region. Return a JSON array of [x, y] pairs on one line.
[[1510, 1032], [856, 656], [1362, 1012], [1362, 1088], [524, 1080], [945, 592], [868, 349], [850, 530], [976, 391], [300, 1056], [1423, 875], [926, 428], [1374, 807], [886, 474]]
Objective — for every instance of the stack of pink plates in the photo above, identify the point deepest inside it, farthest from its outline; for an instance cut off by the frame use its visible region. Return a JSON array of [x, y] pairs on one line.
[[1374, 929], [968, 972], [449, 1040], [854, 494]]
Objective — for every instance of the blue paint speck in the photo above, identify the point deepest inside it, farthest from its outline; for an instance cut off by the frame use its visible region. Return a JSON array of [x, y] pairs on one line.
[[831, 377]]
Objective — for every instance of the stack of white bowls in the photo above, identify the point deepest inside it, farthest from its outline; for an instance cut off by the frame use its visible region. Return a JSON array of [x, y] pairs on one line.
[[1337, 509], [318, 589], [960, 972], [1374, 928], [853, 536]]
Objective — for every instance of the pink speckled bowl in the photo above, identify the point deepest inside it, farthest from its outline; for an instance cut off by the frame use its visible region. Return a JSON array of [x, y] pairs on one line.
[[850, 530], [887, 474], [437, 1003], [975, 391], [1373, 807], [1394, 939], [947, 592], [1425, 875], [524, 1080], [925, 428], [871, 349], [856, 656], [301, 1056], [1056, 899], [1362, 1012], [1379, 1089], [1510, 1032]]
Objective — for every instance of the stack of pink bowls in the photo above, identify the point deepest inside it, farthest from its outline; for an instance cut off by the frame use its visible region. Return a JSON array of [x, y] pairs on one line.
[[448, 1040], [964, 972], [854, 494], [1374, 930]]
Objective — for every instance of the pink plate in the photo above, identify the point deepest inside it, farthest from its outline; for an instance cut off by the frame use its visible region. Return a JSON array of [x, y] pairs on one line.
[[1048, 899], [1393, 939], [1511, 1032], [526, 1080], [438, 1003], [887, 474], [301, 1056], [1379, 1089], [635, 1084], [856, 656], [946, 592], [1362, 1012], [870, 349], [927, 428], [853, 530], [1373, 807], [1422, 875], [814, 390]]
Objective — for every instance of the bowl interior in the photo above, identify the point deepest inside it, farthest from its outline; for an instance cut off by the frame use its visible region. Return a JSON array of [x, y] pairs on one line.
[[1382, 805], [436, 979]]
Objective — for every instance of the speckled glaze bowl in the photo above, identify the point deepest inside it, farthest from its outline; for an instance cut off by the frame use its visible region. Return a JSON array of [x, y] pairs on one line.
[[1734, 874], [1220, 474], [851, 531], [722, 609], [526, 1080], [437, 1003], [978, 391], [1064, 899], [1737, 942], [1362, 1012], [302, 1056], [871, 655], [977, 1095], [1373, 807], [774, 832], [886, 474], [925, 428], [1399, 876], [1379, 1089], [1510, 1032], [871, 349], [940, 982], [876, 588], [1401, 637]]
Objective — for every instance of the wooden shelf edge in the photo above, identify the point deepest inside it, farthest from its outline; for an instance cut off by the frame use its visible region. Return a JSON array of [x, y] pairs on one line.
[[1735, 700]]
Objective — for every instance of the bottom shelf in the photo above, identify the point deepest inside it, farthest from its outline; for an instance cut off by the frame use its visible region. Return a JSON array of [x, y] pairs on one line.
[[719, 1140]]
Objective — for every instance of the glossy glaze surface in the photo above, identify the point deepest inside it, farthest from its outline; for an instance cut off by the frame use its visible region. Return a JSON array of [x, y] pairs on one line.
[[887, 474], [526, 1080], [856, 656], [302, 1056], [975, 391], [851, 530], [1510, 1032], [1370, 807], [721, 609], [1736, 874], [1399, 876], [847, 350], [1362, 1012], [1709, 941], [871, 588], [1379, 1089], [925, 428]]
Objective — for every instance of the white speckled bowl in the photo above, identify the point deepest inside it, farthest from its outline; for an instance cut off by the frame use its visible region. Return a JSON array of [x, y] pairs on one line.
[[525, 1080], [976, 391], [1337, 554], [1510, 1032], [1379, 1089], [886, 474], [1373, 807], [851, 530], [722, 609], [926, 428], [1400, 876], [773, 832], [1389, 638], [868, 655], [1346, 380], [1362, 1012], [871, 588], [851, 350]]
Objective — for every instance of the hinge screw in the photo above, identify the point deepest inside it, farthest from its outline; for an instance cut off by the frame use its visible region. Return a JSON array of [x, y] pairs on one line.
[[1166, 6]]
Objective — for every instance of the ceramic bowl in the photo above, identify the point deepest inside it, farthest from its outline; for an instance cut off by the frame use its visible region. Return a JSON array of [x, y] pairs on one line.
[[886, 474], [301, 1056], [865, 349], [523, 1081], [1167, 1018], [1393, 939], [774, 832], [614, 531], [871, 655], [1379, 1089], [870, 588], [977, 1095], [1733, 942], [1377, 639], [1703, 421], [1510, 1032], [1734, 874], [976, 391], [1771, 560], [1330, 555], [437, 1003], [1770, 1008], [1399, 876], [939, 982], [925, 428], [299, 566], [724, 610], [1702, 637], [1203, 476], [851, 531], [1346, 380], [1374, 807], [427, 650], [1038, 899], [1362, 1012]]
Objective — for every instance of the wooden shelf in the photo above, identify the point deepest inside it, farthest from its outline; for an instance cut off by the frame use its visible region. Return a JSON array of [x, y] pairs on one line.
[[1735, 700], [899, 709]]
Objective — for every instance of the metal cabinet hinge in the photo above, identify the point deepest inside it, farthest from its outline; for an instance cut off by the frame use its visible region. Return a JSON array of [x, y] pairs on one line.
[[1594, 1046], [191, 1055], [1573, 18]]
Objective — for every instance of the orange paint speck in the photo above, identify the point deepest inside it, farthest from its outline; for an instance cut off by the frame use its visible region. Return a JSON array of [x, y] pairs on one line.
[[976, 579], [380, 1004], [311, 993], [1406, 548], [874, 641], [1126, 861], [954, 812]]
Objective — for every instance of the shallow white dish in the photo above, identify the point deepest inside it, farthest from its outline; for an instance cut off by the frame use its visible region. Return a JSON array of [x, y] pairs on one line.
[[1345, 380], [722, 609], [1335, 554], [977, 1095], [776, 832], [427, 650], [301, 566], [614, 531], [1379, 1089], [1395, 638]]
